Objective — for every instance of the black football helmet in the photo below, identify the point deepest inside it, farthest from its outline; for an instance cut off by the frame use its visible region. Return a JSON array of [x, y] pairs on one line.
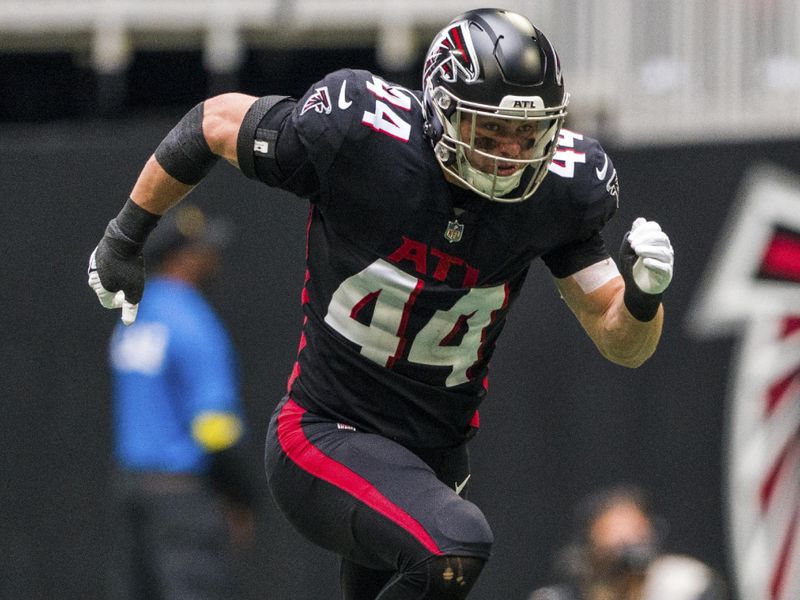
[[493, 66]]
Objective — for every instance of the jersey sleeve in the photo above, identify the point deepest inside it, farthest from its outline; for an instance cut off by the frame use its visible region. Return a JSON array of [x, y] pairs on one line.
[[591, 185], [291, 144], [328, 116]]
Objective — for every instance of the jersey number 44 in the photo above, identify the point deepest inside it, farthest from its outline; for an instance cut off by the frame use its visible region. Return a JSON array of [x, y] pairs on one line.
[[392, 293]]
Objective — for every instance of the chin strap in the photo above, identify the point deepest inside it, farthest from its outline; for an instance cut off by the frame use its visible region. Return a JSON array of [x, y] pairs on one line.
[[502, 184]]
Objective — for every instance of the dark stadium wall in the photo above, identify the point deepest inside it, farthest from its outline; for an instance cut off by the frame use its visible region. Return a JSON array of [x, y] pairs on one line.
[[559, 420]]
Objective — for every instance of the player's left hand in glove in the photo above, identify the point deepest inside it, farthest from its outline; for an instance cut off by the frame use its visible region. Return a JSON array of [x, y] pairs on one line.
[[116, 267], [646, 264]]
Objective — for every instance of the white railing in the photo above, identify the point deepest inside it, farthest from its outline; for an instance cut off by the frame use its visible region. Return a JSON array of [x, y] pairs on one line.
[[640, 71], [683, 70]]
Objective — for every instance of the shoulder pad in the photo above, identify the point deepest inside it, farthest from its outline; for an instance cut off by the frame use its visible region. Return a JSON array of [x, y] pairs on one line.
[[330, 104], [588, 176], [347, 106]]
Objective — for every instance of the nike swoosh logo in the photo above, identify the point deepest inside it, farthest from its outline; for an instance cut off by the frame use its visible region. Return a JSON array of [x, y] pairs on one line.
[[344, 103], [463, 484], [601, 173]]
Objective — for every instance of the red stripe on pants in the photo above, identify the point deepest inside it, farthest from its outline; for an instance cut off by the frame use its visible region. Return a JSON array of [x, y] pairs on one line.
[[311, 459]]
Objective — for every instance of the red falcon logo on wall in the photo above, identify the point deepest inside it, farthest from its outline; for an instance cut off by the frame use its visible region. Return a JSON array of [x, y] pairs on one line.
[[753, 288]]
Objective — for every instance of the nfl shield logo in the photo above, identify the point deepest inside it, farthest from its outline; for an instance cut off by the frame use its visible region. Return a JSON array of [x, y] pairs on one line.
[[454, 231]]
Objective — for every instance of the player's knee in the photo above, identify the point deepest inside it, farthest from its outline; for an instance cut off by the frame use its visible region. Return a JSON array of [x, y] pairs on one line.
[[465, 538], [466, 529], [451, 577]]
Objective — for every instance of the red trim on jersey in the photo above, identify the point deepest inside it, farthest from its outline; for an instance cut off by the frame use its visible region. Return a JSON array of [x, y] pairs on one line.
[[311, 459], [384, 131], [506, 292], [304, 299], [311, 210], [296, 368], [476, 420], [401, 330], [579, 157], [293, 375], [459, 325], [363, 302], [304, 292]]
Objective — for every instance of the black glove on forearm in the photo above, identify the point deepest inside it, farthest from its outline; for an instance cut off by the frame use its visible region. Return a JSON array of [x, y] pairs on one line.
[[118, 257]]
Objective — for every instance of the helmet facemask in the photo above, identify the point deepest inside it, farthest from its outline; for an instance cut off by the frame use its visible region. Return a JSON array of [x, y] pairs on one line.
[[534, 127]]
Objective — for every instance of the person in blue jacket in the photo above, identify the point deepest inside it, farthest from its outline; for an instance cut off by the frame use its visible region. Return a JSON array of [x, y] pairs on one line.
[[182, 491]]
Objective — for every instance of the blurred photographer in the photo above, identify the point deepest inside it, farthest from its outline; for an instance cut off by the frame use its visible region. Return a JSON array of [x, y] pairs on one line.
[[616, 555]]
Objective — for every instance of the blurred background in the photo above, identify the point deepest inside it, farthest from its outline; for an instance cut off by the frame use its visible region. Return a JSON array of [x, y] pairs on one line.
[[696, 102]]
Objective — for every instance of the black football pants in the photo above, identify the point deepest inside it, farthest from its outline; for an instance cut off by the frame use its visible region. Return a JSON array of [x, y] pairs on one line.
[[393, 515]]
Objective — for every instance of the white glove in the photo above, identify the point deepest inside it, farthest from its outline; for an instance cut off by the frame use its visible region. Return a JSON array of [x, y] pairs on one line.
[[110, 299], [652, 271]]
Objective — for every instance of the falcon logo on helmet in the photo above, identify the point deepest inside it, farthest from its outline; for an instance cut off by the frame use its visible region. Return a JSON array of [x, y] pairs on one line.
[[452, 53]]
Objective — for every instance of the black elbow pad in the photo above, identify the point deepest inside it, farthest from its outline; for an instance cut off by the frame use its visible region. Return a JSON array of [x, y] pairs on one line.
[[270, 150], [258, 137]]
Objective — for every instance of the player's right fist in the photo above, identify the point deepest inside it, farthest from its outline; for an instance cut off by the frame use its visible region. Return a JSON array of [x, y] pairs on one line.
[[116, 267]]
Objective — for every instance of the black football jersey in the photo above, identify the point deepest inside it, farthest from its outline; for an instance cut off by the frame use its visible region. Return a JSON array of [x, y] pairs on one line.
[[410, 278]]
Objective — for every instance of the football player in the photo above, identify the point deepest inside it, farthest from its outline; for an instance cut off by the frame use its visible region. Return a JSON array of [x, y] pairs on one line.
[[427, 209]]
